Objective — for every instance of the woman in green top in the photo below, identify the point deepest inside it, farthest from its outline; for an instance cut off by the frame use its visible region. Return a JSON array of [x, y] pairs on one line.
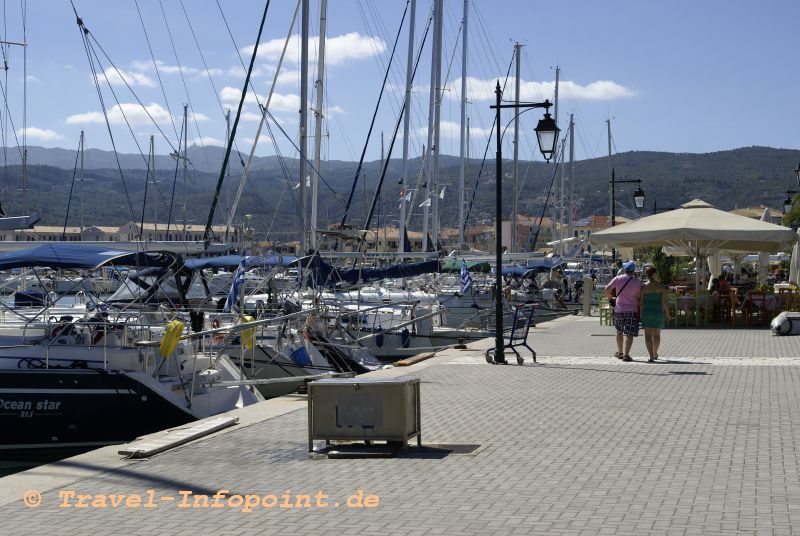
[[654, 311]]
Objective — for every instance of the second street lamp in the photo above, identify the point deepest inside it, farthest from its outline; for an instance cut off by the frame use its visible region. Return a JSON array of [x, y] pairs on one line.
[[547, 136], [638, 198]]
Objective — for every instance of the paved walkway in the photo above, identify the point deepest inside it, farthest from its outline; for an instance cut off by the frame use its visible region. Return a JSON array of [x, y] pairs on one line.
[[704, 443]]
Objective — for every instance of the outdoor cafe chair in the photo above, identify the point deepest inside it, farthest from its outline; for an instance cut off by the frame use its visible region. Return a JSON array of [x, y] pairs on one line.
[[756, 307], [702, 304]]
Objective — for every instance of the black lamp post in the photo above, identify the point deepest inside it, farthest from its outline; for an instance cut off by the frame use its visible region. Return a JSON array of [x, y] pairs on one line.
[[797, 175], [547, 135], [638, 198]]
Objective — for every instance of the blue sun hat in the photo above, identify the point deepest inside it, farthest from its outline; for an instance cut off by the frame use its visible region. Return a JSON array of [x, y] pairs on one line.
[[630, 266]]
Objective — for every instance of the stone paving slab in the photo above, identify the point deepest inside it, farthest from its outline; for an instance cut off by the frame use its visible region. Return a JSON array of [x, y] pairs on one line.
[[580, 443]]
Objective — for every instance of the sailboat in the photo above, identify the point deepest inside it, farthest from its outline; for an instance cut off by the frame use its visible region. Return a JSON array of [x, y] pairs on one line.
[[73, 382]]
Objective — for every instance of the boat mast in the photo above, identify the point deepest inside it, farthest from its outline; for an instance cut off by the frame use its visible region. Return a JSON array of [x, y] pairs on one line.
[[429, 186], [318, 121], [82, 177], [561, 215], [228, 170], [303, 122], [152, 169], [247, 166], [185, 166], [406, 124], [436, 127], [517, 53], [464, 122], [571, 215]]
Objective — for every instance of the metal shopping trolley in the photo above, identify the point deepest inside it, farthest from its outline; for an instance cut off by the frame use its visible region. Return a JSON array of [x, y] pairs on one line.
[[521, 324]]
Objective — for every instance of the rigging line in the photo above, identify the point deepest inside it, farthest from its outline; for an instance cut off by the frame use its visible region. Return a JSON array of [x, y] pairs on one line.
[[87, 47], [486, 150], [372, 123], [391, 148], [11, 120], [90, 35], [175, 178], [308, 162], [546, 199], [146, 183], [155, 66], [262, 120], [208, 233], [208, 73], [183, 81], [287, 177], [119, 105], [71, 188], [4, 48], [379, 58]]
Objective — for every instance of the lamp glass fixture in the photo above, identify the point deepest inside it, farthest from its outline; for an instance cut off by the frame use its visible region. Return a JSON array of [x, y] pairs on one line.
[[638, 197], [547, 135]]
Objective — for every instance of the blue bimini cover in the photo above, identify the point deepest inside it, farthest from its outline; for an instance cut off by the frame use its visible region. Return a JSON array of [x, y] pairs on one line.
[[232, 261], [72, 255]]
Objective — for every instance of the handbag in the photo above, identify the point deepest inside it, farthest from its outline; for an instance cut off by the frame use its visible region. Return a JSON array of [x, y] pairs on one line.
[[612, 301]]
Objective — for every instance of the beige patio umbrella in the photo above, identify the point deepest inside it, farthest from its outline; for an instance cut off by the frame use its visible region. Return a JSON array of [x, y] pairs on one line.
[[699, 228]]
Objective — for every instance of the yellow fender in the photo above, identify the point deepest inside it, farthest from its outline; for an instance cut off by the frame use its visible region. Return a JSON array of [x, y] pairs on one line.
[[172, 336], [248, 336]]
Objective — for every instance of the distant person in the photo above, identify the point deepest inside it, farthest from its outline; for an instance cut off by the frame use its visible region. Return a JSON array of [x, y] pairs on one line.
[[724, 285], [713, 286], [655, 311], [620, 268], [627, 289]]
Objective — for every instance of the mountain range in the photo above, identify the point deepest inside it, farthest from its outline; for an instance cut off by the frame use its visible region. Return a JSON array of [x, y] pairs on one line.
[[115, 188]]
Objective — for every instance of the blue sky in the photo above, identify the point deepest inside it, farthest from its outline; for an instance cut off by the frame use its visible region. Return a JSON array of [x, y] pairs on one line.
[[679, 76]]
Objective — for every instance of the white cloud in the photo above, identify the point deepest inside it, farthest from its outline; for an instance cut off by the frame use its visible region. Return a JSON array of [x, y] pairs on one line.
[[280, 102], [340, 49], [207, 140], [449, 129], [197, 116], [42, 134], [135, 114], [118, 77], [261, 139], [600, 90], [250, 116]]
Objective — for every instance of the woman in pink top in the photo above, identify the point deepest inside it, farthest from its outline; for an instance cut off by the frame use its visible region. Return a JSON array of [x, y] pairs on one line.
[[626, 313]]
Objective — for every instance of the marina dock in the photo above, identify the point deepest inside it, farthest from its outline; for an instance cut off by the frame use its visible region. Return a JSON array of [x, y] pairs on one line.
[[704, 441]]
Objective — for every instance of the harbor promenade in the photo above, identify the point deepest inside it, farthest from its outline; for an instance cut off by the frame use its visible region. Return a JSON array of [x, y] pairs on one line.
[[705, 441]]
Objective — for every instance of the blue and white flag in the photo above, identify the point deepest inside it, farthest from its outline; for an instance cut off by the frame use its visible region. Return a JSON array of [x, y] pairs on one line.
[[236, 287], [466, 279]]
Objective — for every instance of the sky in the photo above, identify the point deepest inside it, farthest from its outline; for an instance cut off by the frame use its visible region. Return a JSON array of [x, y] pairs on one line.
[[677, 76]]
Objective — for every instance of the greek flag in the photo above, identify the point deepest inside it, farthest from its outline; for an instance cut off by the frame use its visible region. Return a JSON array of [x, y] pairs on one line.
[[236, 287], [466, 279]]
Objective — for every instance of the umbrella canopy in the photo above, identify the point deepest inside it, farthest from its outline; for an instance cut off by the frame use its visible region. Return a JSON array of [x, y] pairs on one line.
[[699, 227]]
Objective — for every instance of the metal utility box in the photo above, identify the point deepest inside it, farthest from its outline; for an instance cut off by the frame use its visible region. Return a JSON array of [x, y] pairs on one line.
[[364, 409]]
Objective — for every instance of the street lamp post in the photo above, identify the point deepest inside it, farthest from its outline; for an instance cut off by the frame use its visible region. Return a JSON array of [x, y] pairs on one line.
[[638, 198], [547, 136], [797, 175]]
